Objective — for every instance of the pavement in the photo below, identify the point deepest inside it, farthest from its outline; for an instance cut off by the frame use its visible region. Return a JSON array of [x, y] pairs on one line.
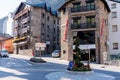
[[68, 76]]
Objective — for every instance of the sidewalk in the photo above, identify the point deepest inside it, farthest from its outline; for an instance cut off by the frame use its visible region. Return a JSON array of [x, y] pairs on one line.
[[65, 62]]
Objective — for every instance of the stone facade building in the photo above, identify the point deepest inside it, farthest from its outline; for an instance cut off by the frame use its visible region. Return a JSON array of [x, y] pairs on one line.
[[35, 23], [87, 20]]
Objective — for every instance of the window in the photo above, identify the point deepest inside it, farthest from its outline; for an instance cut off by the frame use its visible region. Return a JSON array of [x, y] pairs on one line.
[[90, 6], [43, 15], [58, 21], [54, 21], [114, 14], [76, 4], [48, 27], [64, 10], [76, 20], [115, 45], [113, 6], [90, 21], [48, 18], [43, 25], [114, 28], [48, 36]]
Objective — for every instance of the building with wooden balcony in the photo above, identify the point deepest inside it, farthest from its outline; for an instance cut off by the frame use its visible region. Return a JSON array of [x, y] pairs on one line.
[[35, 23], [86, 20]]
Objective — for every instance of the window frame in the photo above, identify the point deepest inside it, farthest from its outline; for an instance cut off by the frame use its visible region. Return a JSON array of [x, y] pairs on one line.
[[115, 46], [114, 28], [113, 6], [114, 14]]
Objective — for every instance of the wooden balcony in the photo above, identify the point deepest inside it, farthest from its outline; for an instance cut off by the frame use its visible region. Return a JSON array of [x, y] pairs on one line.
[[21, 13], [24, 30], [25, 20]]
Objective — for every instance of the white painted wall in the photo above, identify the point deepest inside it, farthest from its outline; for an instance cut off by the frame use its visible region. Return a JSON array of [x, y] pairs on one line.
[[9, 27], [114, 37]]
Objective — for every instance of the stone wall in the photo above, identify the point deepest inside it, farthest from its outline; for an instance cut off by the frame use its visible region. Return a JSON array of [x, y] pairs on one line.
[[27, 52], [100, 14]]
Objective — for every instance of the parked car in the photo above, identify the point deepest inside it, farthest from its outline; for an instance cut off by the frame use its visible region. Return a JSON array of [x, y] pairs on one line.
[[56, 53], [4, 53]]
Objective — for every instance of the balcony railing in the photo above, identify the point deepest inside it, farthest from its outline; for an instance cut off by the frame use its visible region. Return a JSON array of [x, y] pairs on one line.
[[25, 20], [83, 26], [24, 30], [20, 39], [82, 8]]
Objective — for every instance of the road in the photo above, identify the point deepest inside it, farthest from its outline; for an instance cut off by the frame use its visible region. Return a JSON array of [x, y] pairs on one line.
[[20, 69]]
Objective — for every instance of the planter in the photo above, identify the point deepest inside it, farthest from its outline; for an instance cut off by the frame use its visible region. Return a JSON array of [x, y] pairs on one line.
[[80, 72]]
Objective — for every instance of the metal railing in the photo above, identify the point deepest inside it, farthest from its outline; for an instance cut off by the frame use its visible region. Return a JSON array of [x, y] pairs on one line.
[[82, 8], [83, 25]]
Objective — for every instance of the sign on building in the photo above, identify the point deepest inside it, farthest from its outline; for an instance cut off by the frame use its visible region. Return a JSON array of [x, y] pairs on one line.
[[40, 44], [87, 46]]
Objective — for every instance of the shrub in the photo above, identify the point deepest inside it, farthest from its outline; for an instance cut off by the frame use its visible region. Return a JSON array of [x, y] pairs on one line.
[[82, 68]]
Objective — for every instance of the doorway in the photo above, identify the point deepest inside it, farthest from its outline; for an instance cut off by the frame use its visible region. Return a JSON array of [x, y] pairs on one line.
[[85, 55]]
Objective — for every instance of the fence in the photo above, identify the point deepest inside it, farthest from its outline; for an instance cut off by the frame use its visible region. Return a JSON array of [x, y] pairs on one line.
[[114, 60]]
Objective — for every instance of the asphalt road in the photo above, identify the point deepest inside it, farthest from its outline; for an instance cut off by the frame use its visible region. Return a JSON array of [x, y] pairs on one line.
[[19, 69]]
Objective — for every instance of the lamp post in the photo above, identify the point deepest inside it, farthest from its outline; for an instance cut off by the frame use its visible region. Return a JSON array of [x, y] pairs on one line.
[[88, 51], [47, 45]]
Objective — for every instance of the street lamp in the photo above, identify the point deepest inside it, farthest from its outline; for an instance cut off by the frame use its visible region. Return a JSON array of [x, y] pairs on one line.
[[47, 44], [88, 51]]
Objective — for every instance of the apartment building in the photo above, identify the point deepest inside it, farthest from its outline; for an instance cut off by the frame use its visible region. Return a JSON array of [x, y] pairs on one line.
[[9, 25], [35, 23], [2, 24], [86, 20], [114, 30]]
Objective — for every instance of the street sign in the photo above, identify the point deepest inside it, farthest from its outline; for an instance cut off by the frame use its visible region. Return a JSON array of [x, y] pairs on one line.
[[40, 44]]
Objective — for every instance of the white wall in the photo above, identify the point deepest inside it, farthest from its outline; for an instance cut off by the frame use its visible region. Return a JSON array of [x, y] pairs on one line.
[[9, 28], [114, 37]]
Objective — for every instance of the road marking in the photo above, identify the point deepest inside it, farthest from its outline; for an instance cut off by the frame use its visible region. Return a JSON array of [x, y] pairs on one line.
[[8, 70], [12, 78], [25, 62]]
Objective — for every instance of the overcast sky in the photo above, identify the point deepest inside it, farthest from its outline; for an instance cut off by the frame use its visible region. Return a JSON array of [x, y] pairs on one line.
[[7, 6]]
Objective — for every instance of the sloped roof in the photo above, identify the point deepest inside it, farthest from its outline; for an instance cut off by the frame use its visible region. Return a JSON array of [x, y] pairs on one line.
[[20, 7], [105, 3], [49, 8], [39, 5]]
